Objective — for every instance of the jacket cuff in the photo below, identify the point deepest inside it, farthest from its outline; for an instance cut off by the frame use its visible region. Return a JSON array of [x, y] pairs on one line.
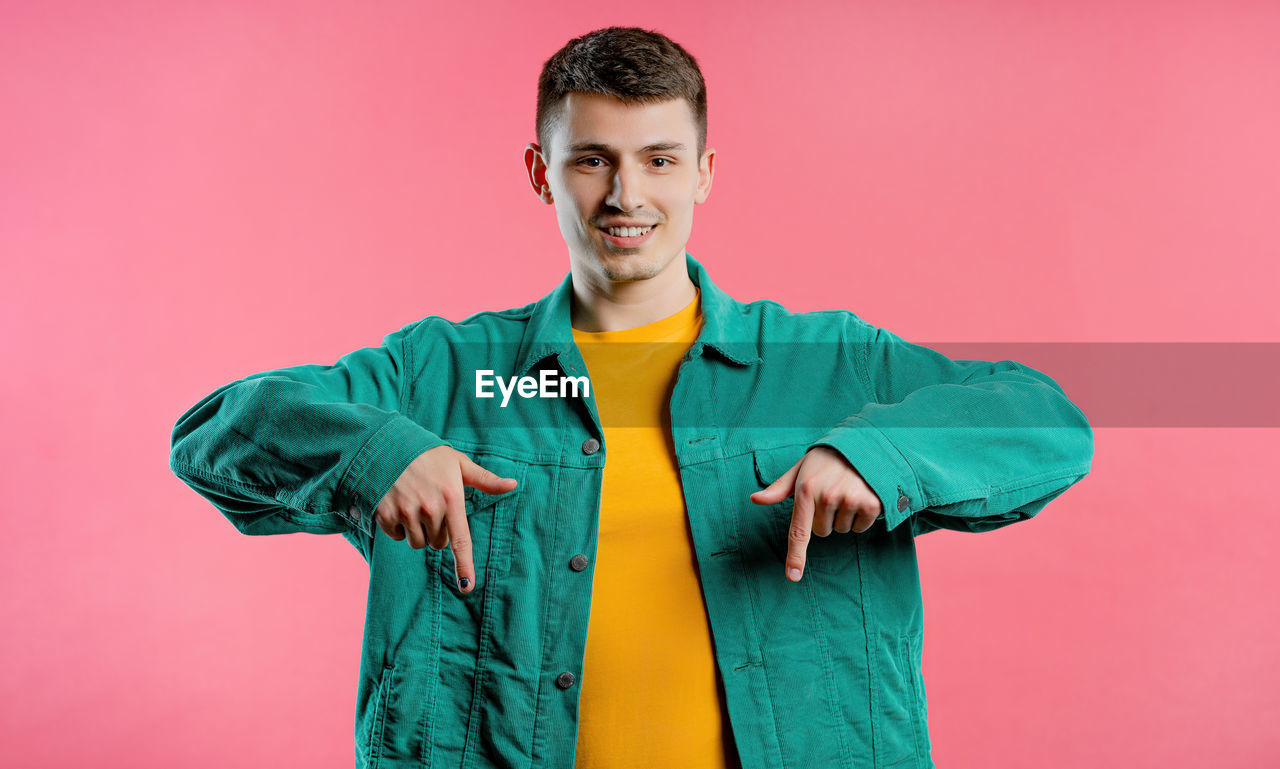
[[377, 466], [880, 464]]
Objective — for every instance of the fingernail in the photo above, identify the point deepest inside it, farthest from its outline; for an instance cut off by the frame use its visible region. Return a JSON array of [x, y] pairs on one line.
[[795, 575], [464, 583]]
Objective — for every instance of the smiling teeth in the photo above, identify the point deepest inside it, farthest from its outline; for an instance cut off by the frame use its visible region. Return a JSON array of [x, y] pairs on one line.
[[628, 232]]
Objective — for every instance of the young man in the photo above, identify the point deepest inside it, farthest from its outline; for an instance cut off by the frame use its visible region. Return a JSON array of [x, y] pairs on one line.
[[608, 495]]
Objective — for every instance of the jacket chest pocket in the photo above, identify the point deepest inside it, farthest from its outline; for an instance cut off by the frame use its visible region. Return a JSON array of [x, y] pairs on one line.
[[832, 553], [490, 520]]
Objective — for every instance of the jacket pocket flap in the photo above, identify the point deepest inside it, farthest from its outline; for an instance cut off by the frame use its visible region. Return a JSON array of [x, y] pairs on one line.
[[476, 499], [772, 463]]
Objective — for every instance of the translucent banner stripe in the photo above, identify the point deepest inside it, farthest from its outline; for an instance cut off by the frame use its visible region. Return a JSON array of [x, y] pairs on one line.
[[1116, 384]]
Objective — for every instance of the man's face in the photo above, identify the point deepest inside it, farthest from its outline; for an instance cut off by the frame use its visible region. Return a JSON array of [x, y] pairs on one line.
[[611, 164]]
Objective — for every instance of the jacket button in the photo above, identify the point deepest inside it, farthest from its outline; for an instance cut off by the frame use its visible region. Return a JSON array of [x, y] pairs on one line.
[[564, 680], [903, 502], [578, 562], [590, 446]]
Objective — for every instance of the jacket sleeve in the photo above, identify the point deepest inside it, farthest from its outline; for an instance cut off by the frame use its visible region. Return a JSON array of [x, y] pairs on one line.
[[310, 448], [968, 445]]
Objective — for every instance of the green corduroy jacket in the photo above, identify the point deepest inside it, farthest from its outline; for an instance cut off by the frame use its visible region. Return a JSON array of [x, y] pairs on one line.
[[820, 673]]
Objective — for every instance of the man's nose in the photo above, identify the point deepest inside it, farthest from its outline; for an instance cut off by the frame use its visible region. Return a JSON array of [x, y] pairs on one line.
[[628, 192]]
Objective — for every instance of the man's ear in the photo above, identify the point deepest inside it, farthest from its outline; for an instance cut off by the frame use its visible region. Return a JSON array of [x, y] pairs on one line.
[[706, 169], [536, 165]]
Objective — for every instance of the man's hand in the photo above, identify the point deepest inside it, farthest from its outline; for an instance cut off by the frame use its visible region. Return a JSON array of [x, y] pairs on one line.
[[828, 491], [426, 503]]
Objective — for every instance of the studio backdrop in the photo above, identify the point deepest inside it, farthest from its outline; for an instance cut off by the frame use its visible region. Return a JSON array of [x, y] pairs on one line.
[[191, 192]]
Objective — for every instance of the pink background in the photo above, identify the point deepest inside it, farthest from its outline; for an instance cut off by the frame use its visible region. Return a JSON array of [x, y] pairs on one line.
[[192, 192]]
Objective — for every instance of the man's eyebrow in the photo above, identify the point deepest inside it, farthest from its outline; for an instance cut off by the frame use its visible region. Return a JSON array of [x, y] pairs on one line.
[[594, 147]]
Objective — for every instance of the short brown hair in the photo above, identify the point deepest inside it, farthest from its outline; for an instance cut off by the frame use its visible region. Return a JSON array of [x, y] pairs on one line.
[[638, 66]]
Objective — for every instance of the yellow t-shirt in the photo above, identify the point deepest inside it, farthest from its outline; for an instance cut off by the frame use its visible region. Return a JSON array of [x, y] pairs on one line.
[[650, 695]]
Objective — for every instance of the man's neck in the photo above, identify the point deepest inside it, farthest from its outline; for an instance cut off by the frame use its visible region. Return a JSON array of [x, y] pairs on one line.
[[615, 306]]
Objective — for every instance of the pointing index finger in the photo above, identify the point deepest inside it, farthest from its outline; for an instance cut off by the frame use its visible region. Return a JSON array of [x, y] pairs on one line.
[[455, 519], [798, 534]]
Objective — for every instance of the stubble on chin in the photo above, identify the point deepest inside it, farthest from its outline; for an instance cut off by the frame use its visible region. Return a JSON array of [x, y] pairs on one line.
[[626, 268], [630, 271]]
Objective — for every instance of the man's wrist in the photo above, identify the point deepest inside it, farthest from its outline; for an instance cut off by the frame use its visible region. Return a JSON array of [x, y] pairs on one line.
[[870, 452]]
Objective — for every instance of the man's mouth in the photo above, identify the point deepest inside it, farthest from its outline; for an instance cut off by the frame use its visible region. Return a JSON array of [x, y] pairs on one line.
[[627, 237], [628, 232]]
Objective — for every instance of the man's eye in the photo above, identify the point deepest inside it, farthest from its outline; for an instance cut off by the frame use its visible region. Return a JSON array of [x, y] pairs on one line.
[[590, 160], [665, 162]]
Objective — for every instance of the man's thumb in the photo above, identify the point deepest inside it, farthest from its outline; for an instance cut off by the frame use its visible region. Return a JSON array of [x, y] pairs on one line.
[[486, 481], [779, 489]]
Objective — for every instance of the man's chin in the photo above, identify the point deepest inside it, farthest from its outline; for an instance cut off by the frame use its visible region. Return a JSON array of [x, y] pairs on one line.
[[621, 268]]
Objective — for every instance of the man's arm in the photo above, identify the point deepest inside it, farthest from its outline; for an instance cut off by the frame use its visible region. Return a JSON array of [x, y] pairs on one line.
[[957, 444], [309, 448]]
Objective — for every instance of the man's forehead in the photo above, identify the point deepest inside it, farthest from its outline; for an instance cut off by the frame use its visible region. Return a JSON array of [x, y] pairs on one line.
[[590, 145], [597, 123]]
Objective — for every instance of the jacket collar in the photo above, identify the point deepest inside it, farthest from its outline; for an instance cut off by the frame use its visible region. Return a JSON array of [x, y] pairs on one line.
[[724, 325]]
